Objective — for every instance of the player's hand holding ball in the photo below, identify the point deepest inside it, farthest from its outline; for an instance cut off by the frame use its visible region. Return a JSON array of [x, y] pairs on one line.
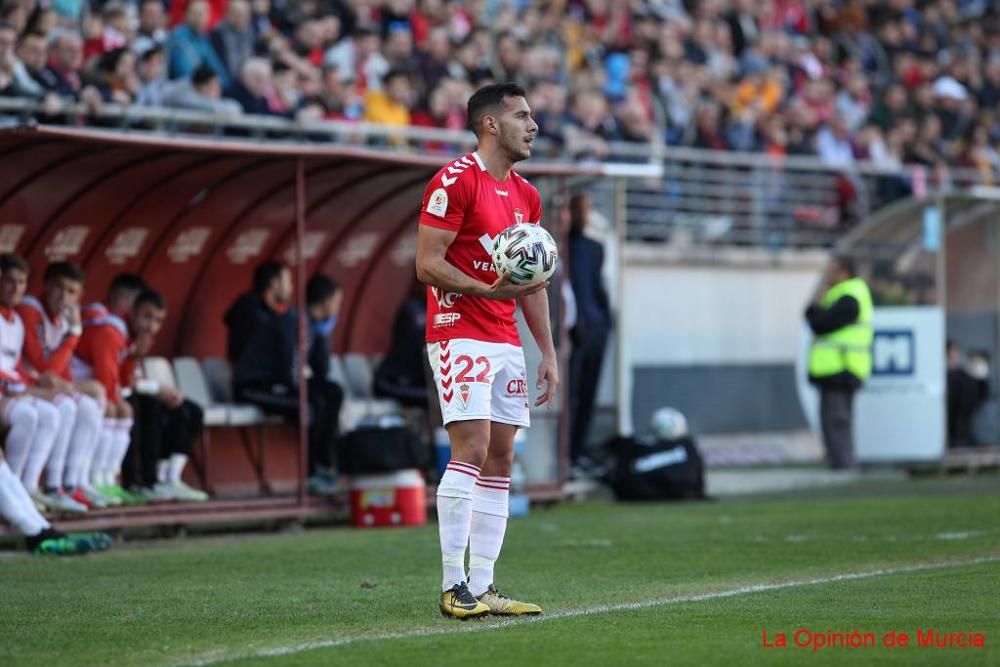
[[525, 257]]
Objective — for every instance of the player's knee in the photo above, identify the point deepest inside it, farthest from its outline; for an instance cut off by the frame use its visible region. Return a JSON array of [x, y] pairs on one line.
[[48, 415], [67, 407], [21, 414], [88, 408], [469, 444]]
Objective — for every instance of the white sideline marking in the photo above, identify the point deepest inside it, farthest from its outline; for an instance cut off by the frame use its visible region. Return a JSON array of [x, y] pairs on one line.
[[482, 626]]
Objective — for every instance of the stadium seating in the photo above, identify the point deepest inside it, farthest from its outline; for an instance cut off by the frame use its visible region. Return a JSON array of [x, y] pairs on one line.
[[354, 373], [359, 374]]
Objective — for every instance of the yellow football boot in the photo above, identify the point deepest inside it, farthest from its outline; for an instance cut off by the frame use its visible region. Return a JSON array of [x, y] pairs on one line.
[[501, 605], [458, 602]]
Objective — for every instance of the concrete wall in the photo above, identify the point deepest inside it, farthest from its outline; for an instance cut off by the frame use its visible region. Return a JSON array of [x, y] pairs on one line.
[[713, 333]]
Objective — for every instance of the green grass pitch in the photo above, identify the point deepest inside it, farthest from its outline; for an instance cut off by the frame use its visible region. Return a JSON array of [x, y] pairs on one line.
[[663, 584]]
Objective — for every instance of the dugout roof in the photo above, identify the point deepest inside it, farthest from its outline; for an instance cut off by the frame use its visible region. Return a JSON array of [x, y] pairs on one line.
[[195, 216]]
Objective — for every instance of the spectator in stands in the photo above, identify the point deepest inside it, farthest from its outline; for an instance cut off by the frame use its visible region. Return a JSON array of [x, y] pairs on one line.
[[589, 125], [398, 46], [100, 354], [189, 46], [253, 87], [151, 31], [52, 328], [401, 374], [269, 296], [33, 54], [63, 74], [15, 81], [202, 92], [434, 62], [833, 143], [234, 39], [708, 128], [392, 105], [114, 28], [149, 71], [266, 372], [337, 98], [592, 327], [115, 77], [166, 424]]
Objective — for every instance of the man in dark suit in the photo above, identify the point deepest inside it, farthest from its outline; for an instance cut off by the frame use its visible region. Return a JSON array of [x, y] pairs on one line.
[[593, 326]]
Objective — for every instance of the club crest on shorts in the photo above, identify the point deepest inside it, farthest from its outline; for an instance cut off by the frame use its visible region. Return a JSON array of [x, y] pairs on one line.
[[463, 392]]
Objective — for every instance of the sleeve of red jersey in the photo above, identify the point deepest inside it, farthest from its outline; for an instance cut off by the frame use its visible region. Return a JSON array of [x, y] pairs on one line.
[[536, 206], [127, 374], [106, 348], [33, 351], [60, 358], [445, 200]]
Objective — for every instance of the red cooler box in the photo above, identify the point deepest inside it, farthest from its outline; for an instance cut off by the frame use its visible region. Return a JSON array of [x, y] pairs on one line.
[[392, 499]]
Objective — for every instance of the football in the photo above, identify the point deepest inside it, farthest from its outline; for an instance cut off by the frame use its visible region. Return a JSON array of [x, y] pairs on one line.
[[525, 253]]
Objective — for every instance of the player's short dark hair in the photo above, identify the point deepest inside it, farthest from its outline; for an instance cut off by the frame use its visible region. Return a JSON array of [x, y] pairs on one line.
[[152, 297], [320, 288], [489, 99], [125, 283], [265, 274], [11, 262], [65, 269]]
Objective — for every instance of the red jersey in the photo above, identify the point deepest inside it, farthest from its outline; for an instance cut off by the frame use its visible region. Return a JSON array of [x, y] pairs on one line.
[[48, 343], [463, 197], [11, 343], [103, 350]]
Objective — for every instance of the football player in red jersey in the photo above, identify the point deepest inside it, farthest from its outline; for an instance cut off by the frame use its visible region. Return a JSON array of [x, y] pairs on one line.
[[473, 343], [52, 328]]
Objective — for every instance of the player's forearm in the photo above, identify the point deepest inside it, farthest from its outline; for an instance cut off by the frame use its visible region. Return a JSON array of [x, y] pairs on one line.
[[440, 273], [536, 314]]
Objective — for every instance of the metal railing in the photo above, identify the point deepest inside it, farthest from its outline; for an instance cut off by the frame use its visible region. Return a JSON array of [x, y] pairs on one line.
[[674, 195]]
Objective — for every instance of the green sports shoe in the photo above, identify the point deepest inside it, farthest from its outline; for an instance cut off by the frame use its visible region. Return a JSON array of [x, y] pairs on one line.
[[97, 541], [127, 497], [53, 543]]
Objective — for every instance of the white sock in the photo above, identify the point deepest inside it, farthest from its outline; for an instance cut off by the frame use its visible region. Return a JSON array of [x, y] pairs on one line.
[[176, 469], [162, 471], [41, 446], [55, 469], [20, 415], [16, 506], [489, 523], [123, 436], [82, 441], [454, 509], [102, 457]]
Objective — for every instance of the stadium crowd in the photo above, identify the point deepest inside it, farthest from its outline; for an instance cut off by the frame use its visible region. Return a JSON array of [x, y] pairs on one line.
[[890, 82]]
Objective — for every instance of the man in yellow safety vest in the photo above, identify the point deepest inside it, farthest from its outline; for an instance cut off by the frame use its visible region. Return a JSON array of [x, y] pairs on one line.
[[840, 359]]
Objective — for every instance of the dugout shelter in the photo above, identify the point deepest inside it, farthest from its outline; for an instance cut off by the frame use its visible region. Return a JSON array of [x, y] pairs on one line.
[[194, 217]]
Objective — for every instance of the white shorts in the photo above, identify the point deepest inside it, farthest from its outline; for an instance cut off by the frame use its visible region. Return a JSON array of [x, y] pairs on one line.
[[477, 380]]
